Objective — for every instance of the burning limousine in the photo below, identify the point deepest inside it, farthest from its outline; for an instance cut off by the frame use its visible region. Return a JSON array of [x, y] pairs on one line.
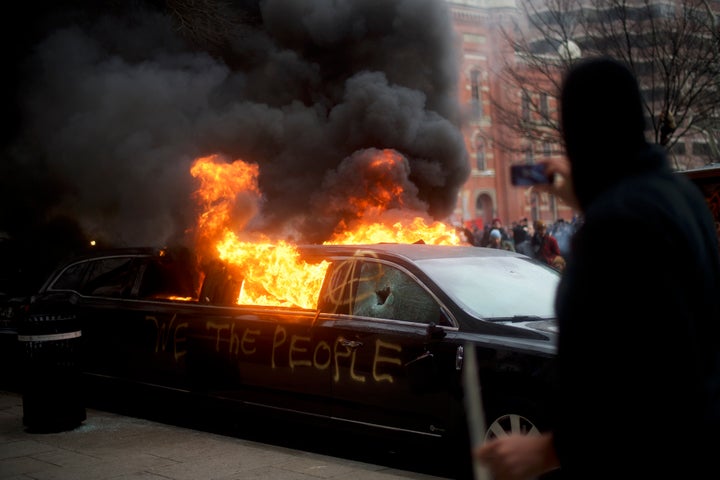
[[378, 344]]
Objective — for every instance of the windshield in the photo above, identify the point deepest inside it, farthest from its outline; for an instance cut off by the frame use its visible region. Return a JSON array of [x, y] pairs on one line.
[[492, 287]]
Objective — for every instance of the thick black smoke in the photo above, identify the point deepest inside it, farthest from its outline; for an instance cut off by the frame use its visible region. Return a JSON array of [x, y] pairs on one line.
[[112, 102]]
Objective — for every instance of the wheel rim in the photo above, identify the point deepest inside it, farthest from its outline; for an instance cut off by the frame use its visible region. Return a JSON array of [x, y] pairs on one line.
[[511, 423]]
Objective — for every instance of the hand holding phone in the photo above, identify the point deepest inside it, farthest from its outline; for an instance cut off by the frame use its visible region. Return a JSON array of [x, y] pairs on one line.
[[525, 175]]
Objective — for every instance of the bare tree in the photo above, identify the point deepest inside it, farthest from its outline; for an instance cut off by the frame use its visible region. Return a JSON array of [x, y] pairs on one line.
[[208, 23], [672, 47]]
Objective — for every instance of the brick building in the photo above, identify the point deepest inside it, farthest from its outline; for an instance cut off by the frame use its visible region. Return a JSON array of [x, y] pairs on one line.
[[492, 146], [485, 29]]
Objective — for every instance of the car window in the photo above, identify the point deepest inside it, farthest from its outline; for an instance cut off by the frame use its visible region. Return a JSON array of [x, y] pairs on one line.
[[339, 287], [71, 278], [496, 286], [111, 277], [387, 292], [166, 280]]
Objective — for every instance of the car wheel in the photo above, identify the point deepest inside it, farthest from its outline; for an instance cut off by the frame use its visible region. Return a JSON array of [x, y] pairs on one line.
[[510, 423], [524, 420]]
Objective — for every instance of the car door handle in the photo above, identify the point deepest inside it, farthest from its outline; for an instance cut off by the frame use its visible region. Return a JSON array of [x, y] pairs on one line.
[[420, 358], [351, 344]]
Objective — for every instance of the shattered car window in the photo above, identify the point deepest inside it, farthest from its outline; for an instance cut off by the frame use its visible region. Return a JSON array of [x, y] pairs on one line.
[[386, 292]]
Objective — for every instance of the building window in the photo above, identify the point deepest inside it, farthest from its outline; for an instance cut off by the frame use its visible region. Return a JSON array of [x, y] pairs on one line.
[[476, 101], [544, 105], [529, 156], [534, 206], [480, 154], [525, 106], [547, 149], [701, 148]]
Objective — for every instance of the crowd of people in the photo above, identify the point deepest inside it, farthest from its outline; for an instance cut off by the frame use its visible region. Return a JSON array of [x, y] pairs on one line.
[[547, 242]]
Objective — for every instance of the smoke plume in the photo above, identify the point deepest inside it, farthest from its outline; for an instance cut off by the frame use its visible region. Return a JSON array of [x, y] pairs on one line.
[[112, 102]]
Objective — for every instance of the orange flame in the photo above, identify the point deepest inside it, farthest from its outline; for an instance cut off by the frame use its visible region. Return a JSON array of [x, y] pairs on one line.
[[381, 191], [221, 184], [413, 231], [272, 271]]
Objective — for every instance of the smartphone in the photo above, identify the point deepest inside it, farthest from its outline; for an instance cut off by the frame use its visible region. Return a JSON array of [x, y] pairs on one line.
[[526, 175]]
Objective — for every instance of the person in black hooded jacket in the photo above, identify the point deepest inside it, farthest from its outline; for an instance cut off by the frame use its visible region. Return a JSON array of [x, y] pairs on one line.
[[638, 377]]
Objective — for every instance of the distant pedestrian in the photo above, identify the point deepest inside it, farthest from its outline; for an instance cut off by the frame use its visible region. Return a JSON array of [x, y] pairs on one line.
[[497, 241], [496, 224], [522, 236], [545, 246]]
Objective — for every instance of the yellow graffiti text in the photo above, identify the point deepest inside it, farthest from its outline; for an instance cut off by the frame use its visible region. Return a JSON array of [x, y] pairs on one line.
[[381, 358], [169, 332]]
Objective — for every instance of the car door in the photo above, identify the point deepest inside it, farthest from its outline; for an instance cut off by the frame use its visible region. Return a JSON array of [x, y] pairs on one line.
[[265, 357], [107, 339], [386, 369], [129, 332]]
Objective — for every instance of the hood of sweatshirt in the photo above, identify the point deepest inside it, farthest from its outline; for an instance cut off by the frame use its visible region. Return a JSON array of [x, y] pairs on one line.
[[603, 127]]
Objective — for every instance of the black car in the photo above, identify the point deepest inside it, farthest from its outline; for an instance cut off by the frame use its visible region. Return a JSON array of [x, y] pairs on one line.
[[382, 350]]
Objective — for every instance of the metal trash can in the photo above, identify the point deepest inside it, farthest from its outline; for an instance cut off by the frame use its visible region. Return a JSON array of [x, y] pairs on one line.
[[50, 381]]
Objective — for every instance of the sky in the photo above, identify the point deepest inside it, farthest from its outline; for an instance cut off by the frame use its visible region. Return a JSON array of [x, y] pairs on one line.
[[111, 102]]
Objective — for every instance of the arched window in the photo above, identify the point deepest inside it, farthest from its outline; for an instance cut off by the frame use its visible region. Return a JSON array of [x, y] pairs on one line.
[[484, 207], [480, 207]]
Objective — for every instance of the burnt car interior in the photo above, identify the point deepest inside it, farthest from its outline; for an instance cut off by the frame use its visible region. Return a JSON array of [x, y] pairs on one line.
[[220, 286], [164, 279]]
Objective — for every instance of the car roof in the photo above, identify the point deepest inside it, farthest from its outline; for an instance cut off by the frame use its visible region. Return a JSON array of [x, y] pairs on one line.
[[112, 252], [412, 252], [409, 252]]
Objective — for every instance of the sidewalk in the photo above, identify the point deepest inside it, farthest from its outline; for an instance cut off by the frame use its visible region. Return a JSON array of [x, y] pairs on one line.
[[109, 446]]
